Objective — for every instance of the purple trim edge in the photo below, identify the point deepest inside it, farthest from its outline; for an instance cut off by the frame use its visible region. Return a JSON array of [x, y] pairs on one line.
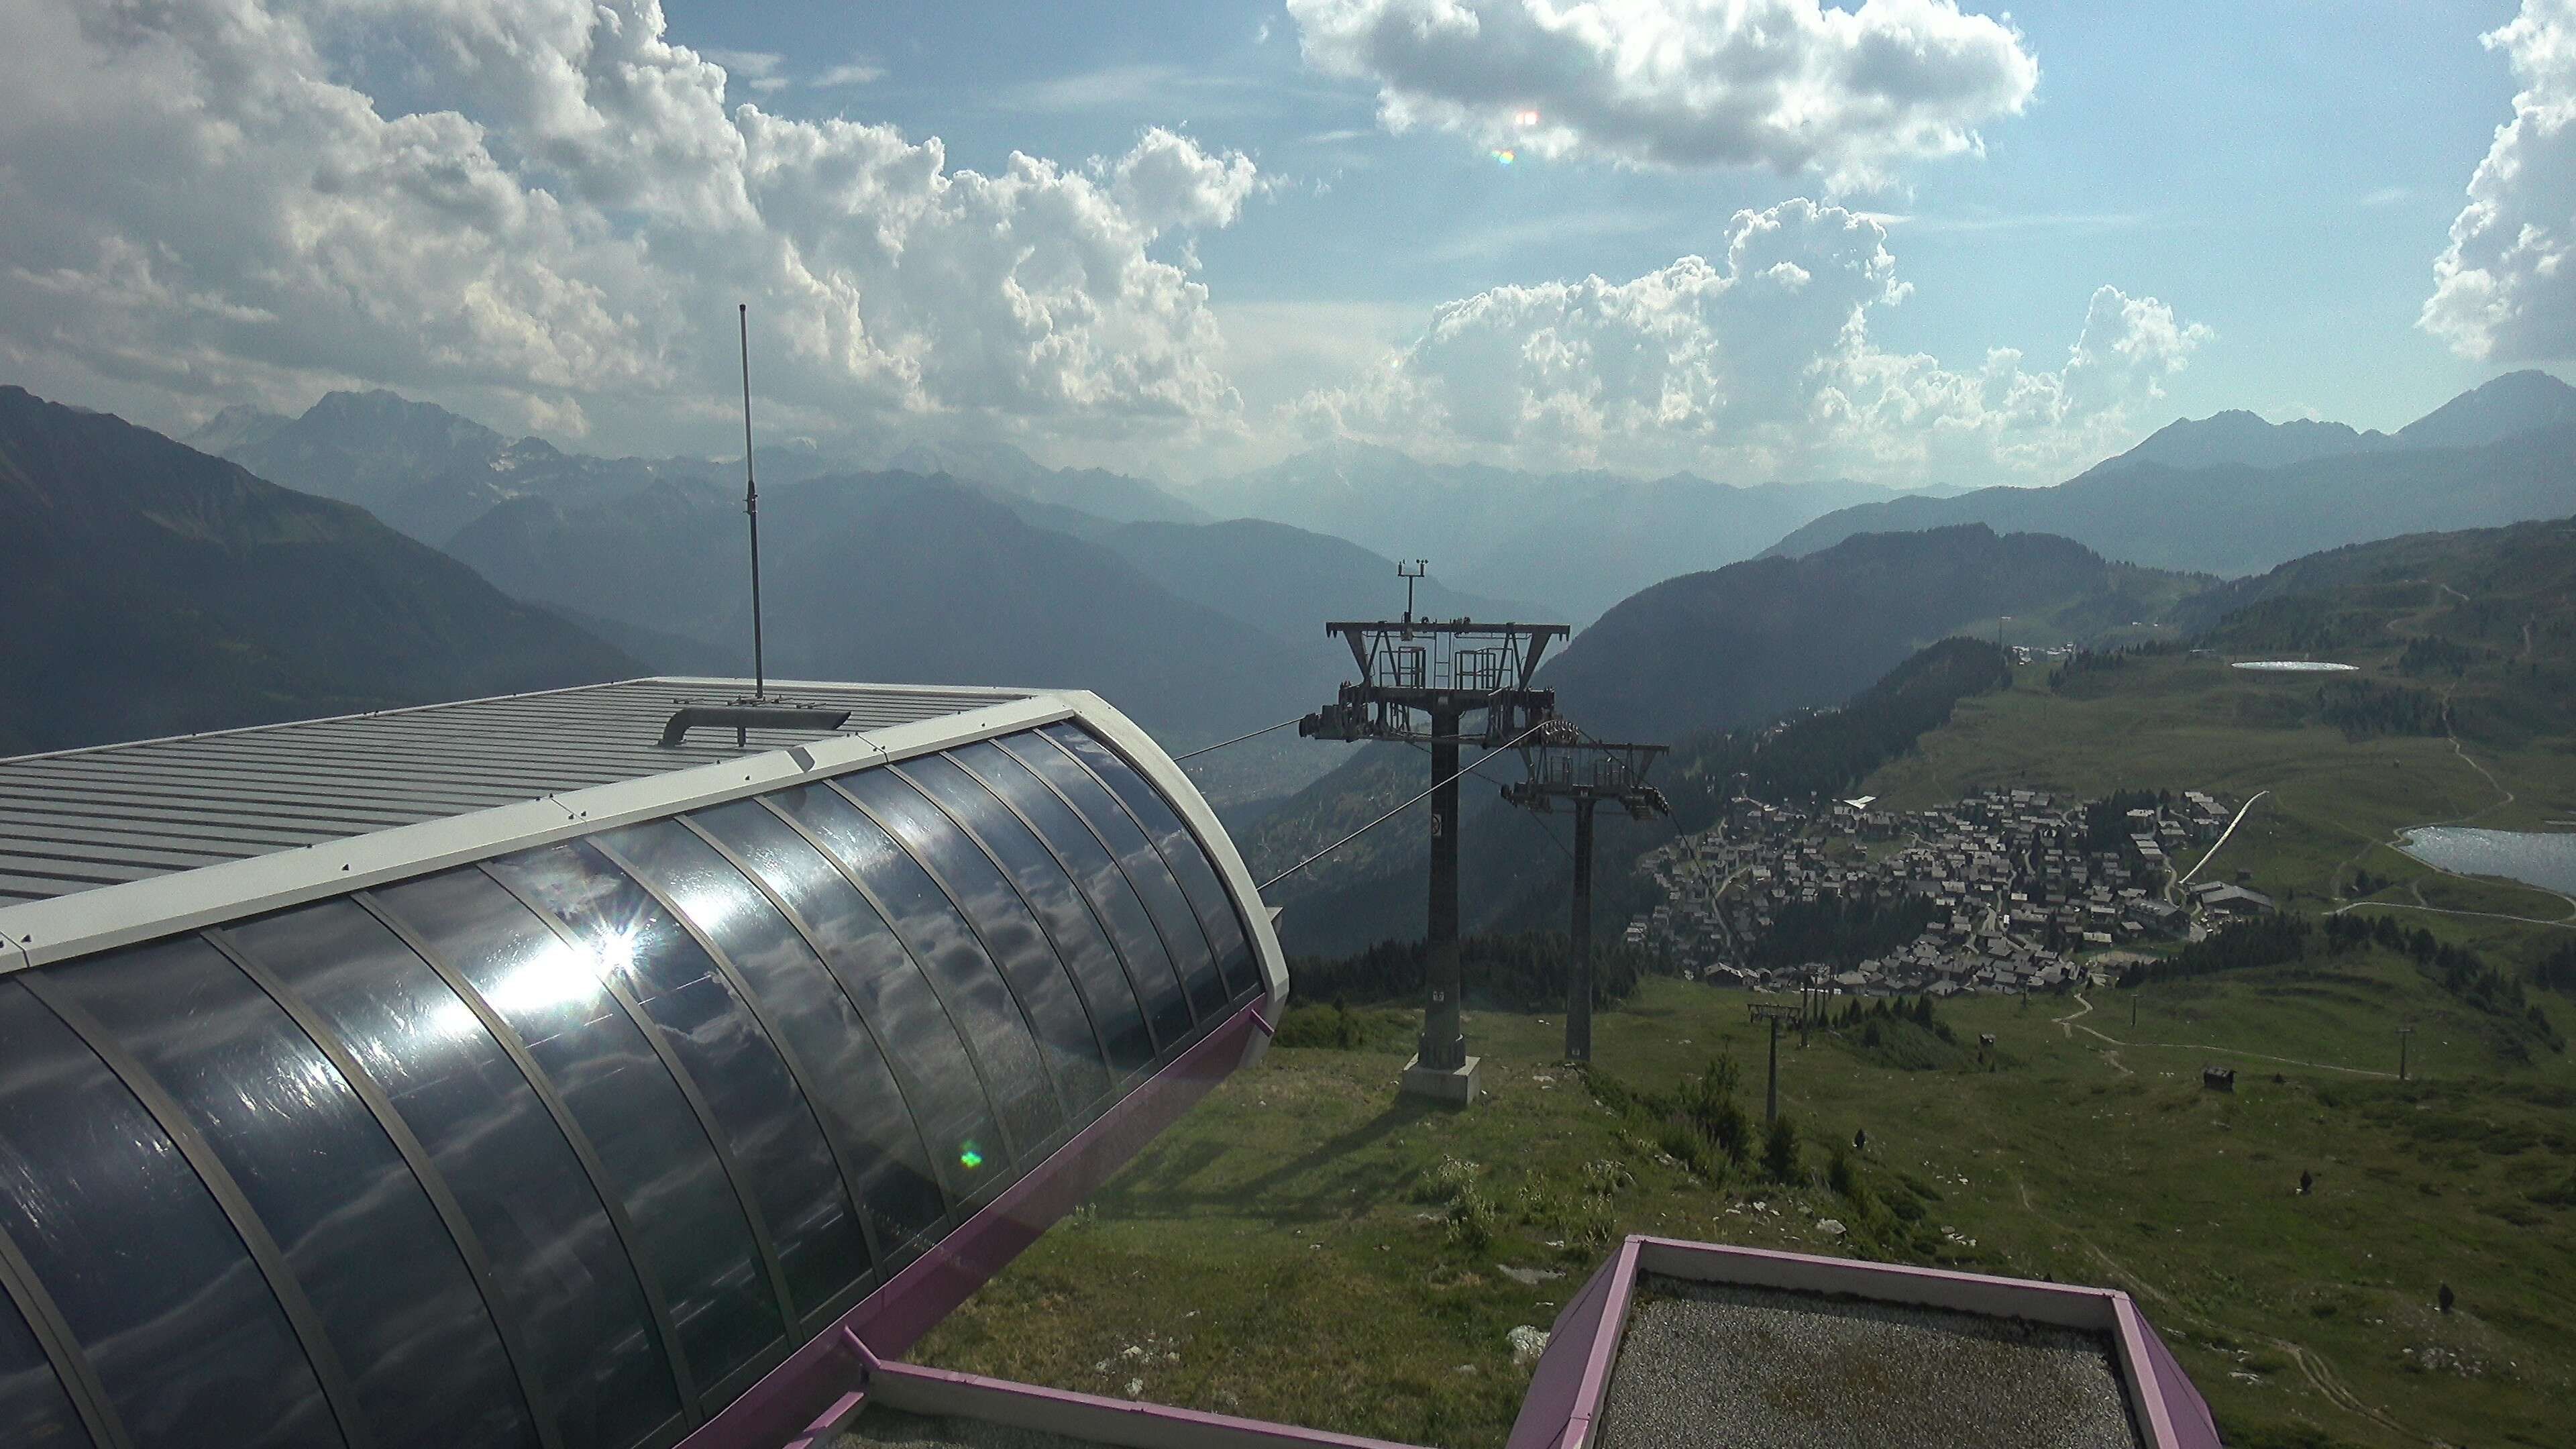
[[1556, 1385], [1247, 1430], [2186, 1412], [2033, 1286], [890, 1320]]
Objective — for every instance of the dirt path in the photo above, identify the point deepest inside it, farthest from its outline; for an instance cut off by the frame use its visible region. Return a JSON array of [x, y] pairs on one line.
[[2071, 1023], [2212, 853], [2418, 905], [2066, 1024]]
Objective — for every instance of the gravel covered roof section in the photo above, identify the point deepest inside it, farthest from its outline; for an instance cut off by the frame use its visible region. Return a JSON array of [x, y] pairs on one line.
[[1707, 1364]]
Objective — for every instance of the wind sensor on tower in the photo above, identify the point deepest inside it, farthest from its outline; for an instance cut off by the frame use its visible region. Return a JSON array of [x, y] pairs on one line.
[[1440, 683]]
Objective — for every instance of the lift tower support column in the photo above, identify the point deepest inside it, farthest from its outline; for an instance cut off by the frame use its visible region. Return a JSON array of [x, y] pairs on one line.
[[1443, 1045], [1774, 1014], [1440, 684], [1564, 765]]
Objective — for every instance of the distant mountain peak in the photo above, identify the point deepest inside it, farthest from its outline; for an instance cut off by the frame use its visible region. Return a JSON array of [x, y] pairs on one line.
[[237, 426], [378, 408], [2500, 408], [2237, 438]]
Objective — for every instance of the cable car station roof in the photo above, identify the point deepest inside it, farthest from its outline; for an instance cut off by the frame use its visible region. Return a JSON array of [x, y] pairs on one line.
[[78, 820]]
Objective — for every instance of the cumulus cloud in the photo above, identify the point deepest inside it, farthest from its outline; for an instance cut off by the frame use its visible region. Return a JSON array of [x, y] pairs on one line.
[[2505, 288], [556, 227], [1752, 365], [1167, 182], [1793, 85]]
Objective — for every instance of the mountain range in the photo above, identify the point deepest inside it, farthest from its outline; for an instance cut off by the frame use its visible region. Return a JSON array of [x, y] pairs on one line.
[[1579, 541], [1754, 640], [152, 589], [2233, 495], [897, 576], [977, 563], [430, 473]]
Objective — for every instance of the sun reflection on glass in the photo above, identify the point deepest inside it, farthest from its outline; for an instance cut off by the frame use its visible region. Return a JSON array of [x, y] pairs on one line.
[[614, 949]]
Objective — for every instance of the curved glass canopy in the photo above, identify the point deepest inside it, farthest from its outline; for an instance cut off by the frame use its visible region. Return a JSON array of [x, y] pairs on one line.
[[567, 1147]]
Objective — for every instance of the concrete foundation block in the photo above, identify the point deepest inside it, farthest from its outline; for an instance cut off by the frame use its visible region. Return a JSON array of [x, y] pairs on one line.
[[1456, 1086]]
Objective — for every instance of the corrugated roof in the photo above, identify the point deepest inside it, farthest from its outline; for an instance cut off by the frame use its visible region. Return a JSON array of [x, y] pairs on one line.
[[81, 819]]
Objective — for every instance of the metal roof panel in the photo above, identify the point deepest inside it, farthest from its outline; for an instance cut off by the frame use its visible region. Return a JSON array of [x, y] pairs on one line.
[[75, 820]]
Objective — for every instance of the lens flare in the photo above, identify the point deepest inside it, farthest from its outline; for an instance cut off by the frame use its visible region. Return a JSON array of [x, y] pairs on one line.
[[1503, 158], [1526, 119], [969, 1158]]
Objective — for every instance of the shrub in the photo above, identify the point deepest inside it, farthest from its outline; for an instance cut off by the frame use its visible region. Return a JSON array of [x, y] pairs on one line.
[[1844, 1178], [1604, 1176], [1472, 1219], [1707, 1103], [1444, 1181], [1684, 1144], [1780, 1150]]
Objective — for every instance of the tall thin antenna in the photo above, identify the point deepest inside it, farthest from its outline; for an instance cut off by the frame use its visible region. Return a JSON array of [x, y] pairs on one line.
[[751, 510]]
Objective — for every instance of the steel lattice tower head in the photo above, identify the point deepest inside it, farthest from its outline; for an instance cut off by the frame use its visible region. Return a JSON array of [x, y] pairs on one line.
[[1565, 765], [1423, 682]]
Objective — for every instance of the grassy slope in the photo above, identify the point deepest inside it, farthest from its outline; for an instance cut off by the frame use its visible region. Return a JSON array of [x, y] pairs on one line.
[[2333, 805], [1271, 1240], [1271, 1244]]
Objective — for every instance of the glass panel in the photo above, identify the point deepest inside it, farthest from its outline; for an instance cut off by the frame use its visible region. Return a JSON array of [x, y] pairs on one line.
[[1138, 858], [1009, 933], [1181, 850], [853, 1090], [355, 1227], [886, 986], [34, 1410], [690, 1230], [558, 1269], [976, 995], [186, 1338], [776, 1145], [1048, 889], [1111, 894]]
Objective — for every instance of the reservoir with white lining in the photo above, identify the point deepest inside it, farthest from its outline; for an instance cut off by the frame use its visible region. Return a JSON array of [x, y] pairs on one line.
[[2297, 666], [2544, 858]]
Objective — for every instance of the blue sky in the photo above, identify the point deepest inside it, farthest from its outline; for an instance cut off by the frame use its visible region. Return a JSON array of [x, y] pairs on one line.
[[1956, 243], [2284, 173]]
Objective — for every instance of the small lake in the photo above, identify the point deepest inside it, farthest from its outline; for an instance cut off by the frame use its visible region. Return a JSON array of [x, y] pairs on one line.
[[2535, 857], [2298, 666]]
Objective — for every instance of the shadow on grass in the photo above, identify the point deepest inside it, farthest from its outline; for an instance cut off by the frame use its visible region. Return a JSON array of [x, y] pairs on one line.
[[1313, 1185]]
